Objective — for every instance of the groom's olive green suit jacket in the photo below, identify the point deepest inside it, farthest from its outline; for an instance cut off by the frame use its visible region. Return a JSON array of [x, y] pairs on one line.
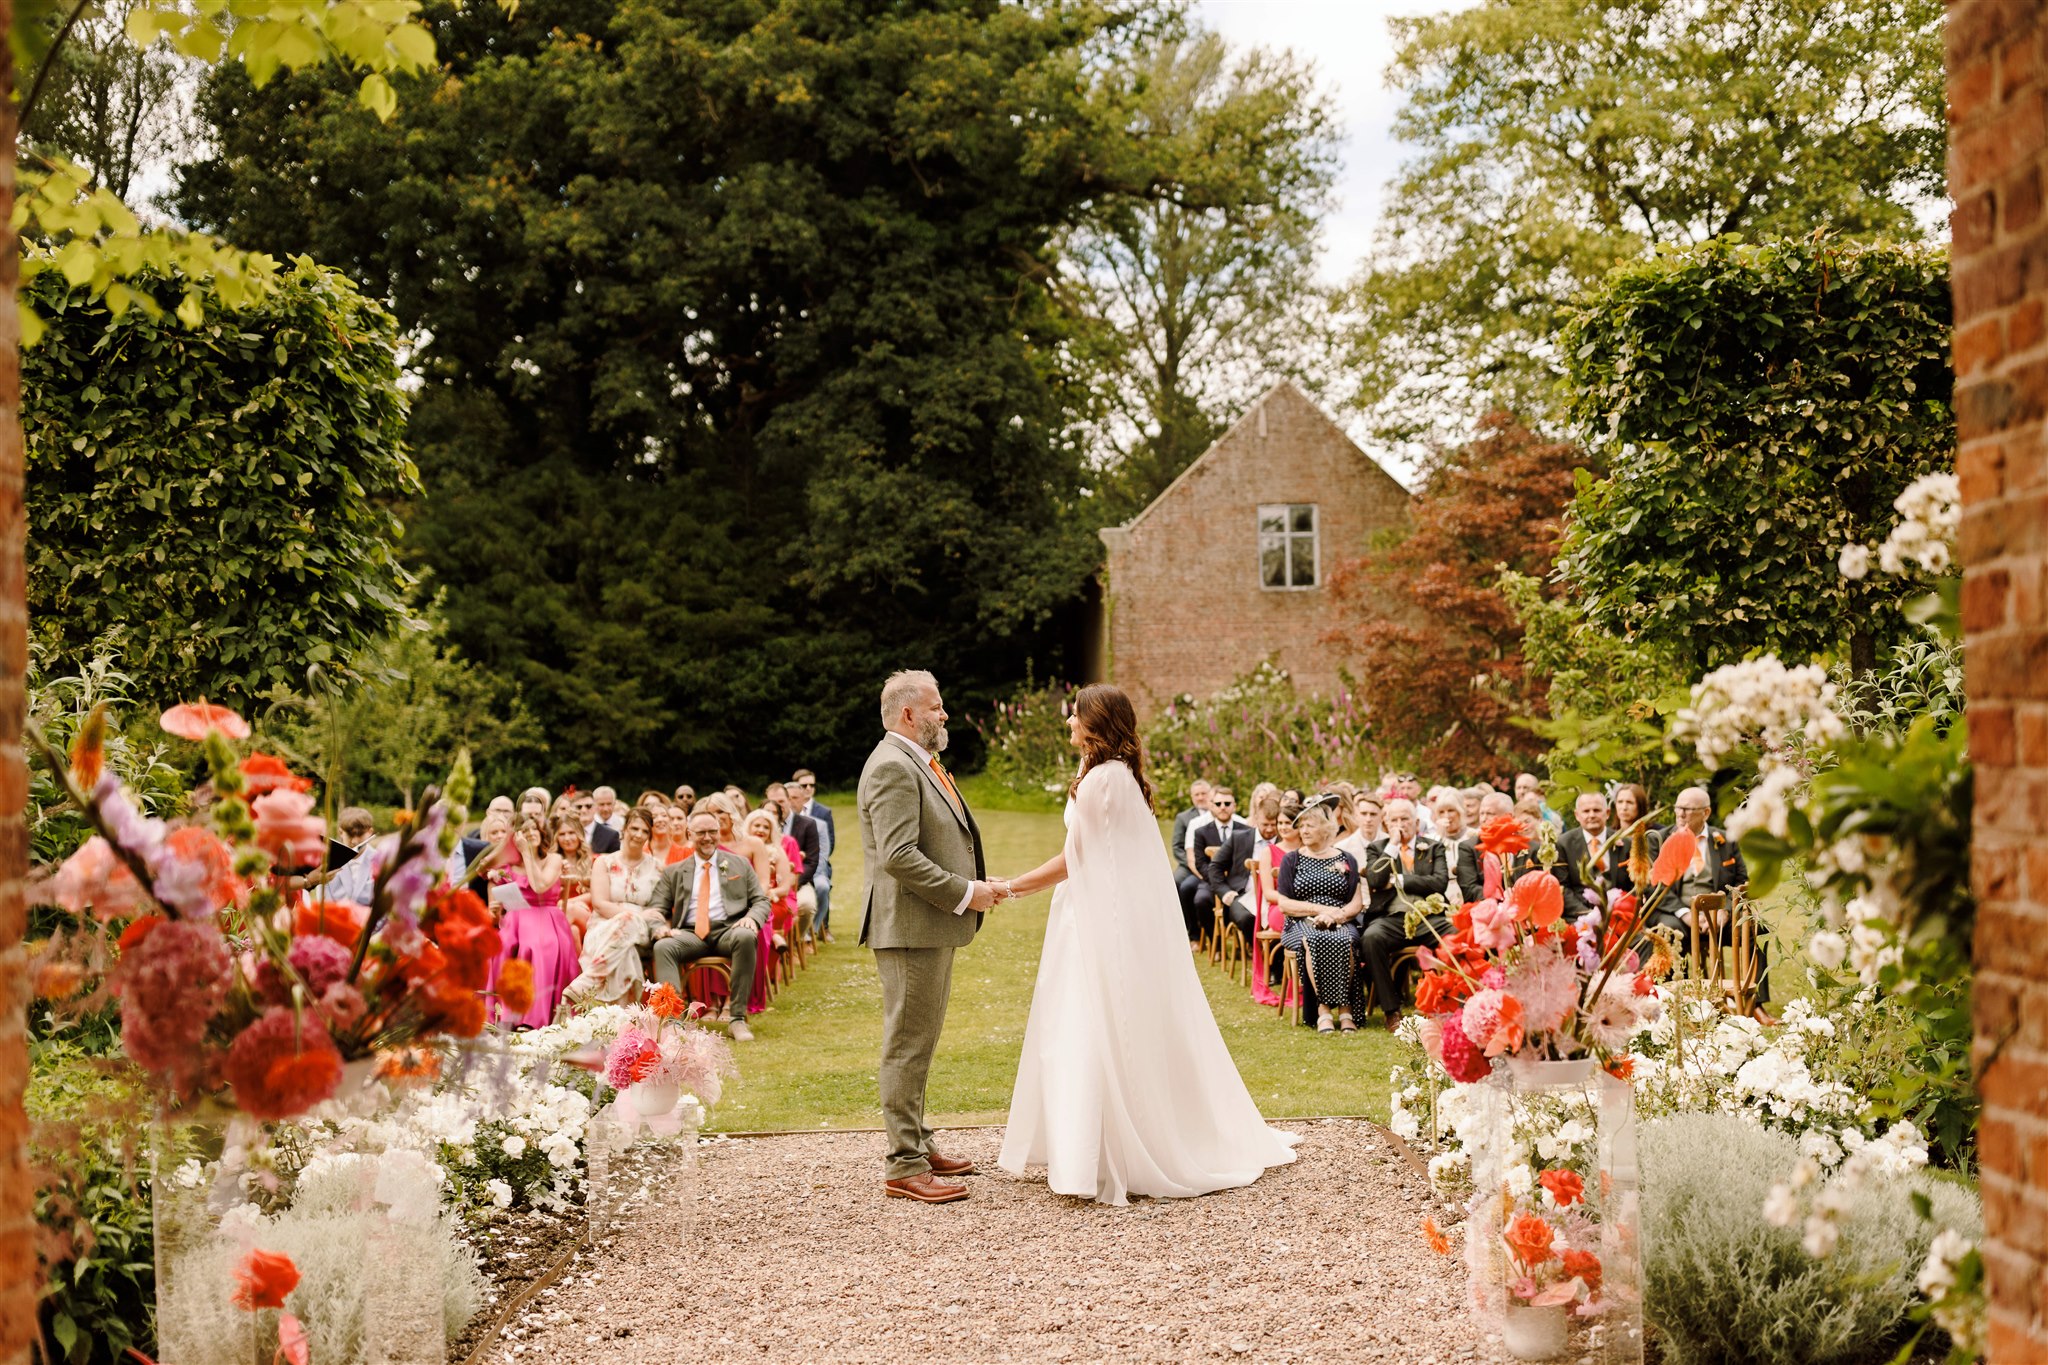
[[920, 854]]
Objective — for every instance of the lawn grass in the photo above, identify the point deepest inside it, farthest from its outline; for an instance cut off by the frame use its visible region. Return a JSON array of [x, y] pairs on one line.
[[812, 1064]]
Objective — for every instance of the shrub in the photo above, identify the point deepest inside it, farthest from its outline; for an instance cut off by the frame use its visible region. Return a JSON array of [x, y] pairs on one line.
[[1722, 1284], [1026, 737], [1259, 729]]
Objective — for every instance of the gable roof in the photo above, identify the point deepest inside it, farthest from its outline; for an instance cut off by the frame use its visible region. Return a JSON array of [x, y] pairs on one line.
[[1253, 420]]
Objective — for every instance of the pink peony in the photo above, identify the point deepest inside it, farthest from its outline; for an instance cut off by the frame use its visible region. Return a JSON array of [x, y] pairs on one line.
[[319, 961], [1462, 1061], [93, 879], [1493, 924], [287, 829]]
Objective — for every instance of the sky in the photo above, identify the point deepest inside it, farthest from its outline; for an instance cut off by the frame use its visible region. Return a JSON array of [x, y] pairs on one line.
[[1347, 40]]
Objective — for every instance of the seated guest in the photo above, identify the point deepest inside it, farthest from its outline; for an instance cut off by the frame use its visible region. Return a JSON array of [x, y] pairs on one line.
[[1461, 852], [685, 799], [1468, 801], [489, 841], [355, 880], [651, 800], [667, 843], [732, 834], [1184, 878], [1577, 847], [1716, 868], [783, 859], [1404, 868], [536, 929], [605, 808], [598, 835], [808, 838], [1632, 803], [715, 907], [1266, 855], [1223, 847], [1493, 870], [1371, 809], [535, 801], [1318, 889], [576, 861], [803, 790], [622, 919], [1529, 785]]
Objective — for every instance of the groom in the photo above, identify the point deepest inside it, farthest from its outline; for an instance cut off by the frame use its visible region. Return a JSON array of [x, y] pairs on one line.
[[926, 895]]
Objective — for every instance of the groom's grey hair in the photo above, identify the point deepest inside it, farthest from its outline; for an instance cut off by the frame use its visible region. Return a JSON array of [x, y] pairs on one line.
[[902, 690]]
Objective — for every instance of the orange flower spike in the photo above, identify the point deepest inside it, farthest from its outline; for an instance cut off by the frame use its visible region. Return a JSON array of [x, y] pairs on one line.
[[263, 1279], [88, 749]]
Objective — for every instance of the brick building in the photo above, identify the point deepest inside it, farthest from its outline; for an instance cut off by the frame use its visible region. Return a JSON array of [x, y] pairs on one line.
[[1998, 160], [1231, 563]]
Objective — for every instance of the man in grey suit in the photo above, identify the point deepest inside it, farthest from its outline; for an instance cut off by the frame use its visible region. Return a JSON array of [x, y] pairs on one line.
[[927, 890], [715, 908]]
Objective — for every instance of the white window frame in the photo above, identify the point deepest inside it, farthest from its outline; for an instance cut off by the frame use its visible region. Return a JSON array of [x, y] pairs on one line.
[[1287, 538]]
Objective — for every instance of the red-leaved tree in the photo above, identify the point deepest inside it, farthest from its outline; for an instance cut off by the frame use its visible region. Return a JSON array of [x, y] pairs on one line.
[[1434, 647]]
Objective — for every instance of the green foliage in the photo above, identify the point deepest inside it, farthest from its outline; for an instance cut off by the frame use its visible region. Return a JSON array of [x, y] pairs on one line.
[[213, 505], [1556, 141], [414, 704], [137, 754], [105, 103], [1259, 729], [1195, 302], [1721, 1284], [1611, 702], [92, 1200], [1030, 752], [736, 401], [1760, 407]]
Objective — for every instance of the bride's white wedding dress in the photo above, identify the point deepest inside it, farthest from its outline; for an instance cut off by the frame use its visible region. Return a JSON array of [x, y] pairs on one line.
[[1125, 1086]]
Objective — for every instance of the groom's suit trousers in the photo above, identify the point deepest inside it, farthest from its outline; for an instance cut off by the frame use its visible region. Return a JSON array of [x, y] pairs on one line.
[[915, 985]]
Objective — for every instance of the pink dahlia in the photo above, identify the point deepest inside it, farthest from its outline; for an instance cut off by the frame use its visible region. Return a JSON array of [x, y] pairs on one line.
[[171, 980], [319, 961], [1462, 1061]]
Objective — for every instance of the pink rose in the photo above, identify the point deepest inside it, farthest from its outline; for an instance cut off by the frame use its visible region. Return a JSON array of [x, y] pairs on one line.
[[287, 829]]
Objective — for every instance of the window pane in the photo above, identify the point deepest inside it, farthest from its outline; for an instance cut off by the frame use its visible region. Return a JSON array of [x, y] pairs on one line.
[[1304, 516], [1272, 519], [1273, 563], [1304, 561]]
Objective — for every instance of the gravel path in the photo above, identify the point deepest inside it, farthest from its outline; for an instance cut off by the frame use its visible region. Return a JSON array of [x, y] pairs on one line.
[[797, 1256]]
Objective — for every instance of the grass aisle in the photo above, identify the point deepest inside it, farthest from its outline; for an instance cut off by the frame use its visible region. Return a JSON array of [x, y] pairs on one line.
[[812, 1064]]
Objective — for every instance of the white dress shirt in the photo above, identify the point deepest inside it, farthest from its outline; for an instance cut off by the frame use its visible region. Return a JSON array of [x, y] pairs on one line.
[[717, 901], [927, 759]]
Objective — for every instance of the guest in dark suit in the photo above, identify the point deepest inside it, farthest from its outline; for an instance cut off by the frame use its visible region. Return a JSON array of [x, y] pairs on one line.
[[600, 837], [1716, 868], [803, 794], [1403, 867], [1227, 873], [1559, 866], [1184, 877], [1576, 847]]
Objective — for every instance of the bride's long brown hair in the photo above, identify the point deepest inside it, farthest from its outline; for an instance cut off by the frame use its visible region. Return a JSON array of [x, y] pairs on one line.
[[1109, 733]]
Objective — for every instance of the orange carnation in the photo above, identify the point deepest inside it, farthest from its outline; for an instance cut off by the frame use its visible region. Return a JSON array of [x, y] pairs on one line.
[[1529, 1237], [665, 1003], [1586, 1266]]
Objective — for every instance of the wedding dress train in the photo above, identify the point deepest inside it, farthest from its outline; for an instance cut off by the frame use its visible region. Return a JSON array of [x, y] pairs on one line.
[[1125, 1086]]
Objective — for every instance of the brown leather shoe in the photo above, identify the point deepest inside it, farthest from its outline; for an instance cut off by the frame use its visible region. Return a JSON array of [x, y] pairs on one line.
[[925, 1189], [948, 1165]]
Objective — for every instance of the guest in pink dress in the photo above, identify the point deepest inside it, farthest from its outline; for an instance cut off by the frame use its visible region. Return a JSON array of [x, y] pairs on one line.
[[537, 931]]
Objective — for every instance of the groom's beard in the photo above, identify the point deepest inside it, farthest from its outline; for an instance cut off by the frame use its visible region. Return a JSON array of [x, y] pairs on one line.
[[932, 739]]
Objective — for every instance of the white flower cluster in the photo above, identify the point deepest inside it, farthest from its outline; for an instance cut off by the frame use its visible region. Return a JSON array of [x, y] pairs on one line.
[[1930, 511], [1938, 1280], [1768, 805], [1759, 701], [1900, 1151]]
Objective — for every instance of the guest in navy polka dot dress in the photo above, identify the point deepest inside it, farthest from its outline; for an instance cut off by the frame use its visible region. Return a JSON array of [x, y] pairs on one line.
[[1320, 893]]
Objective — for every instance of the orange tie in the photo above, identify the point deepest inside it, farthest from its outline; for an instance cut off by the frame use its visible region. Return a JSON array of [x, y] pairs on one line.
[[944, 781], [702, 926], [1407, 858]]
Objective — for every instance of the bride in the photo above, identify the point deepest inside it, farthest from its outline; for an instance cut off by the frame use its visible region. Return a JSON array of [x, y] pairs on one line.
[[1125, 1086]]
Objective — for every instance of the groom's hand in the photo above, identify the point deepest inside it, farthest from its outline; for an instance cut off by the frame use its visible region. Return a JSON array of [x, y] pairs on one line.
[[984, 896]]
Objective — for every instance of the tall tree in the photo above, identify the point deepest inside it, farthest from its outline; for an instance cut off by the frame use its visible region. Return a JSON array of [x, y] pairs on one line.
[[1760, 407], [1435, 645], [108, 105], [1199, 303], [738, 360], [1558, 139]]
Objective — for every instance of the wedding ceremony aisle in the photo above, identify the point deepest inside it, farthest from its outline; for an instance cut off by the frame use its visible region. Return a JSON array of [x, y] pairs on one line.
[[782, 1248]]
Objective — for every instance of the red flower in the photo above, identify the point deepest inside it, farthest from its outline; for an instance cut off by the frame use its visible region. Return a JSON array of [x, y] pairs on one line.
[[1642, 985], [408, 1064], [263, 1279], [267, 773], [1529, 1237], [665, 1003], [1621, 916], [462, 929], [193, 719], [1503, 836], [138, 931], [1586, 1266], [1680, 847], [1438, 1243], [1537, 898], [281, 1066], [515, 986], [337, 920], [1462, 1061], [1621, 1068], [1565, 1186], [1440, 992]]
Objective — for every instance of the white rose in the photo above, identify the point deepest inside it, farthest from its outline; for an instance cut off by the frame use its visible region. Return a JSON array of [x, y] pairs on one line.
[[515, 1146], [1781, 1207], [1855, 560], [501, 1193], [1827, 948], [1822, 1236]]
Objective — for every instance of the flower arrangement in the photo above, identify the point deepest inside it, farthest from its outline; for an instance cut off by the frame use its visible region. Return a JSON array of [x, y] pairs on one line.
[[235, 990], [661, 1049]]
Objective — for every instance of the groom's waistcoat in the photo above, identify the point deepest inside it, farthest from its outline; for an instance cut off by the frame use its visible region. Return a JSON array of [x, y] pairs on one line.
[[920, 854]]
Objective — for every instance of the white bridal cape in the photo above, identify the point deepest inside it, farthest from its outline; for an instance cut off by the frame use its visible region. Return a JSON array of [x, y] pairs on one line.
[[1125, 1086]]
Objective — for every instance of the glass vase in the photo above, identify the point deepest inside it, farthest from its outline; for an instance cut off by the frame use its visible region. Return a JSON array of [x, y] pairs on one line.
[[363, 1233], [1553, 1233]]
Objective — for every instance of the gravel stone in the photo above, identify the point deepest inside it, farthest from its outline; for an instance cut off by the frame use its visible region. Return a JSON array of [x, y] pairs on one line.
[[784, 1248]]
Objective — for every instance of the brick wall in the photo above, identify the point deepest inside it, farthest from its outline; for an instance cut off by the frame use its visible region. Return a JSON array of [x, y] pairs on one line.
[[1185, 608], [1998, 154]]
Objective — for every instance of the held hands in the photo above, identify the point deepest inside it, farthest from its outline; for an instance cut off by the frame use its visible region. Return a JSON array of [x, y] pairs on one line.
[[989, 894]]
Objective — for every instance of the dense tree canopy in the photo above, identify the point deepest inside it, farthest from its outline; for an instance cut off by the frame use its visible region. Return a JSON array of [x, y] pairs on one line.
[[1558, 139], [1759, 408], [739, 377], [214, 505], [1435, 645]]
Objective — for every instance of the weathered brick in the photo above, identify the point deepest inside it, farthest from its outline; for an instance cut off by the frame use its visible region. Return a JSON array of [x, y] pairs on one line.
[[2023, 326], [1979, 347], [1980, 471]]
